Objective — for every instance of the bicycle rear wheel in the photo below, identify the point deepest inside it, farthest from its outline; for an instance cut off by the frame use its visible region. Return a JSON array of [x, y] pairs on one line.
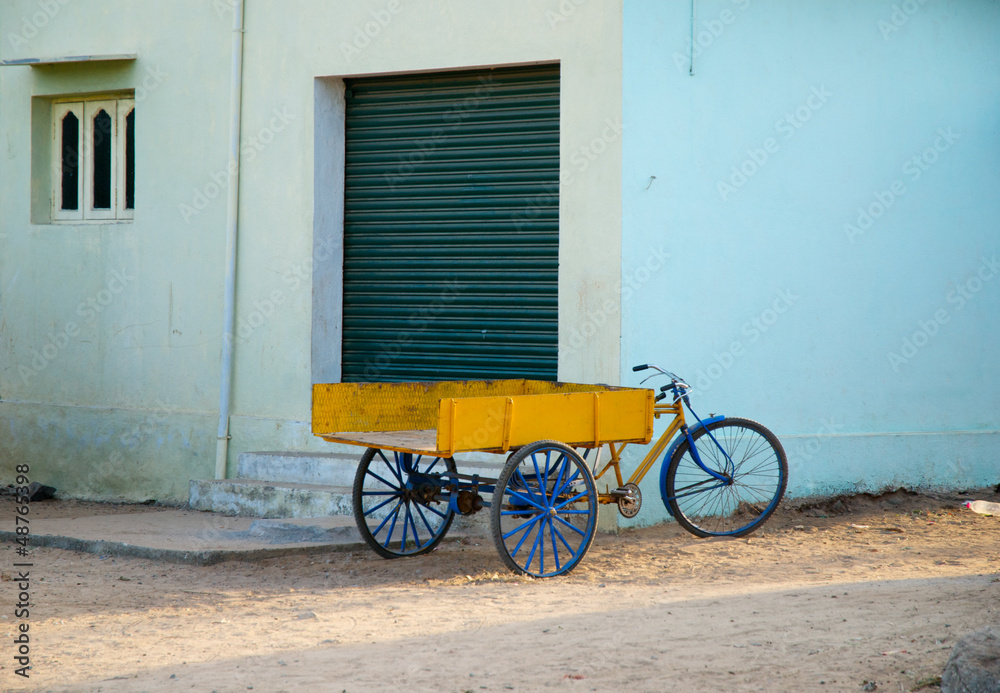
[[755, 468]]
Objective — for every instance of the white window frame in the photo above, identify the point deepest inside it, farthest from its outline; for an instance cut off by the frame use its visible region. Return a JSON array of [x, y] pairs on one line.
[[59, 111], [125, 106], [86, 110]]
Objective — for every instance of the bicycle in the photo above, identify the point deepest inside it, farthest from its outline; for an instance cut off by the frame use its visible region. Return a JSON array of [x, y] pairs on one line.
[[727, 485]]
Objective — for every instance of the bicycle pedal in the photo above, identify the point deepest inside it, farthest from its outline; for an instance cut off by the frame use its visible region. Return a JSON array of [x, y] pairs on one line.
[[620, 493]]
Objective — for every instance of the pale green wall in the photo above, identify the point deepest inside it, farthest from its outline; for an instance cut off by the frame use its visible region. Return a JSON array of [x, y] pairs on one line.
[[128, 407], [124, 409]]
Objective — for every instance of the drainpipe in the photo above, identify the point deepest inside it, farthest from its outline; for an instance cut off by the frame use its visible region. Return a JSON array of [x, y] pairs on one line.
[[232, 224]]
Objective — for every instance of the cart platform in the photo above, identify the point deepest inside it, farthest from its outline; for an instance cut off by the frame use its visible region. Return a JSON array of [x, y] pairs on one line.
[[449, 417]]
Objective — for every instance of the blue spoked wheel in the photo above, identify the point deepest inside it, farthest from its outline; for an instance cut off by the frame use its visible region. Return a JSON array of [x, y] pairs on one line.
[[397, 510], [544, 510], [755, 471]]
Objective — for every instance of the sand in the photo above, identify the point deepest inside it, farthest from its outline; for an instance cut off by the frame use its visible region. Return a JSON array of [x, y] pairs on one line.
[[853, 594]]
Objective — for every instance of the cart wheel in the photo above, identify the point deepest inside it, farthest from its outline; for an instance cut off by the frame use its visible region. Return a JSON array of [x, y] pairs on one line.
[[394, 508], [544, 510]]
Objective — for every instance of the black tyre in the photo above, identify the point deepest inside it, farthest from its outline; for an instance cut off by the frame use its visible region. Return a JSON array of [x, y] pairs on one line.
[[755, 469], [393, 505], [544, 510]]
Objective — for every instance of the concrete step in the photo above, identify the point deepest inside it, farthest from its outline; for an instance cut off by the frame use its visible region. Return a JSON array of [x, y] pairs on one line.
[[283, 500], [332, 469], [324, 468], [269, 499]]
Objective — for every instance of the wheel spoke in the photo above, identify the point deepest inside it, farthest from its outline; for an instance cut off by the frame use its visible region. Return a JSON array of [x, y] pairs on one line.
[[556, 531], [406, 517], [371, 473], [392, 526], [385, 502], [432, 465], [534, 546], [527, 487], [571, 500], [435, 511], [517, 529], [571, 479], [557, 487], [420, 512], [393, 469], [527, 500], [555, 549], [413, 525], [571, 526], [533, 521], [538, 475]]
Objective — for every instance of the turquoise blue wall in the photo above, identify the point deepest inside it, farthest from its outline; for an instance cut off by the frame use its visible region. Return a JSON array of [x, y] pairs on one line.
[[827, 187]]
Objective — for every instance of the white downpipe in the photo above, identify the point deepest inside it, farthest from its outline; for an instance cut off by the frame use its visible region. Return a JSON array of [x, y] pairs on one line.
[[232, 224]]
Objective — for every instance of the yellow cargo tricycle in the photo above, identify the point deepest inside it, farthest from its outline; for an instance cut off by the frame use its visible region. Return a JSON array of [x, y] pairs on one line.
[[721, 476]]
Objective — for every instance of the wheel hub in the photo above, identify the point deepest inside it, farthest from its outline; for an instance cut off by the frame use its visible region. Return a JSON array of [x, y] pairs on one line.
[[469, 502]]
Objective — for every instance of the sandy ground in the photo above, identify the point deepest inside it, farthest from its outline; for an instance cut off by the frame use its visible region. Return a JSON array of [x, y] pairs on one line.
[[856, 594]]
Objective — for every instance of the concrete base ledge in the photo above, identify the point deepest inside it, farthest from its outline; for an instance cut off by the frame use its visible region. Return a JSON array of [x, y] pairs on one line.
[[181, 536], [202, 557], [326, 469], [268, 499]]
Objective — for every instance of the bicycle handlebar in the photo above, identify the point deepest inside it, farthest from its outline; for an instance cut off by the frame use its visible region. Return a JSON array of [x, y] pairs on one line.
[[675, 380]]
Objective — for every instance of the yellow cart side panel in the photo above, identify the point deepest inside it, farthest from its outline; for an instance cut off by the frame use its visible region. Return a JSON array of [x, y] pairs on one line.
[[405, 406], [392, 406], [575, 418]]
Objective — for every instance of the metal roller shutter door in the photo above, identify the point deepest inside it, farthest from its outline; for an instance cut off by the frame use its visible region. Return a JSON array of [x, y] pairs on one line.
[[451, 234]]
